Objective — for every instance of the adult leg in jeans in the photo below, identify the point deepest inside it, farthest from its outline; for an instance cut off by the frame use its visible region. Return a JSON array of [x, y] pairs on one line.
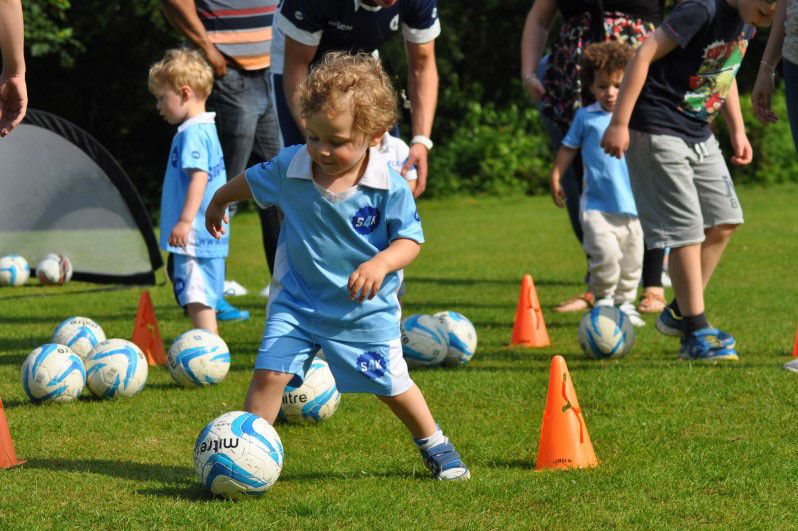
[[791, 95]]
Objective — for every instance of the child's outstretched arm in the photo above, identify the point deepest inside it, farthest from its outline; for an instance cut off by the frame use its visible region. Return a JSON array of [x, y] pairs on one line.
[[743, 153], [565, 156], [236, 189], [616, 137], [367, 279], [196, 190]]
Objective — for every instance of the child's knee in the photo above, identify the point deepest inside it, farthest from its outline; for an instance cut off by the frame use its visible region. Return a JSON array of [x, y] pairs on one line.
[[722, 232], [263, 378]]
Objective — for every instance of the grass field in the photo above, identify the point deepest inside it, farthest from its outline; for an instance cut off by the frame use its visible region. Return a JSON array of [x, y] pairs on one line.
[[680, 444]]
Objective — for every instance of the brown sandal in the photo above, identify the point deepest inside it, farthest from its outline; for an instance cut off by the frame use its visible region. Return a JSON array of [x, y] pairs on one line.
[[580, 303], [651, 303]]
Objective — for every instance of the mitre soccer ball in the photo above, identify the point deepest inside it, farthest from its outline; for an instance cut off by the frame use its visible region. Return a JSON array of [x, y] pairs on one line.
[[54, 269], [605, 332], [116, 367], [315, 399], [81, 334], [14, 270], [198, 358], [462, 337], [238, 455], [53, 372], [424, 341]]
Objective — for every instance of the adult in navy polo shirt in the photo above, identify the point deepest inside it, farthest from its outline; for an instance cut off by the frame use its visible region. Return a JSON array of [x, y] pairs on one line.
[[305, 30]]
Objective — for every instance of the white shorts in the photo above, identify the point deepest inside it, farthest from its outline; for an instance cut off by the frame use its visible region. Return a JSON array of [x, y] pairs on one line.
[[196, 280]]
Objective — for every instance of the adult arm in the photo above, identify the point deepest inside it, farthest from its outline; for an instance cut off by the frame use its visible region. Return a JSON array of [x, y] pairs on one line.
[[13, 91], [743, 153], [536, 31], [422, 86], [616, 137], [765, 81], [295, 70], [182, 15]]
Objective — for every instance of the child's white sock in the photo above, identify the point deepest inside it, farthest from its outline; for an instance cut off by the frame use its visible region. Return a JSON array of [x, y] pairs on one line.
[[433, 440]]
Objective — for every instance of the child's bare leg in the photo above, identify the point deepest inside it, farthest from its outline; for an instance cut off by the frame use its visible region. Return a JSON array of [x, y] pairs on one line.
[[712, 249], [202, 316], [439, 455], [411, 408], [266, 393], [688, 285]]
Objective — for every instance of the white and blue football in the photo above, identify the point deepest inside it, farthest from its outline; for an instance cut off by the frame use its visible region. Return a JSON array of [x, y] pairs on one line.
[[238, 455], [462, 337], [14, 270], [314, 399], [116, 367], [424, 342], [81, 334], [198, 358], [52, 372], [605, 332]]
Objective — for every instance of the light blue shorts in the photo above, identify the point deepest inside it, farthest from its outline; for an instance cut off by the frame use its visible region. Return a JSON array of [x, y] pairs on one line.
[[376, 368], [197, 280]]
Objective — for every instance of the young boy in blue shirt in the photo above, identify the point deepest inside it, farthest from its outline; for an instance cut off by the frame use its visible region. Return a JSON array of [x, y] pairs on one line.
[[613, 238], [674, 86], [350, 223], [181, 82]]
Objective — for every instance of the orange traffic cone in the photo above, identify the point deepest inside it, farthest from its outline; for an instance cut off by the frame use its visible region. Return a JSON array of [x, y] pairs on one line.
[[529, 330], [795, 345], [145, 332], [564, 442], [8, 457]]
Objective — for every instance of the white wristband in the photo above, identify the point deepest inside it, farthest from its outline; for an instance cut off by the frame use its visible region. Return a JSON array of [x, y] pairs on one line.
[[423, 140]]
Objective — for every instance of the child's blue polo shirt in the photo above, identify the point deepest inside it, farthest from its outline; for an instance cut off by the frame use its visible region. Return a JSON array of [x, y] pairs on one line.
[[325, 237], [606, 178], [195, 146]]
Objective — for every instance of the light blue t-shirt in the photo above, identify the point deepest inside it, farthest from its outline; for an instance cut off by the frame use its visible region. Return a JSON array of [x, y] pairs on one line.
[[195, 146], [606, 179], [325, 237]]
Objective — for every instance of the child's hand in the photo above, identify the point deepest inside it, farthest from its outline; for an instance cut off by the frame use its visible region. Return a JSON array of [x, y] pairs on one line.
[[557, 193], [367, 279], [615, 140], [214, 216], [743, 153], [179, 235]]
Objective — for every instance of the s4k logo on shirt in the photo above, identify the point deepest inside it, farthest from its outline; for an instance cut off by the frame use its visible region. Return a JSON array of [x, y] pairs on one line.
[[366, 220]]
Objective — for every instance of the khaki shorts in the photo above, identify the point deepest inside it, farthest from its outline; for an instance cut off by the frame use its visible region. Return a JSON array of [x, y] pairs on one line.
[[680, 188]]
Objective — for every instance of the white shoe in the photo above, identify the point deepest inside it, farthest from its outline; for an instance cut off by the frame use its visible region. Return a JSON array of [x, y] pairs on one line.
[[233, 289], [631, 312], [791, 365], [265, 291]]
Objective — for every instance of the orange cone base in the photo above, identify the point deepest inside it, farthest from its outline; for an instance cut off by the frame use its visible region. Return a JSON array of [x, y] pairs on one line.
[[564, 441], [145, 332], [8, 456], [529, 330]]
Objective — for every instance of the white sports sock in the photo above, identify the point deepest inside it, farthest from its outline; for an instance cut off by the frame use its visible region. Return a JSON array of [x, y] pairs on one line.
[[433, 440]]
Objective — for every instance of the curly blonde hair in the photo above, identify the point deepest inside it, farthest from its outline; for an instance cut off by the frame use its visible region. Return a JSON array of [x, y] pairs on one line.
[[341, 81], [609, 56], [182, 67]]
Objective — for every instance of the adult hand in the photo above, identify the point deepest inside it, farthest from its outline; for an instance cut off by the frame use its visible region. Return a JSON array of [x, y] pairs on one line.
[[615, 140], [535, 88], [761, 97], [743, 153], [418, 157], [13, 102], [217, 61]]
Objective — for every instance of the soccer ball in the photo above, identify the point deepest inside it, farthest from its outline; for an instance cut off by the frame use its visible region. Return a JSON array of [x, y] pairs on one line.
[[14, 270], [116, 367], [198, 358], [54, 269], [462, 337], [605, 332], [424, 342], [81, 334], [238, 455], [53, 372], [315, 399]]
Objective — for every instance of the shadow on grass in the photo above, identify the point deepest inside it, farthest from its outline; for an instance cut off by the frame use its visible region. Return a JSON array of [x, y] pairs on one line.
[[412, 279], [525, 464], [62, 292], [179, 475]]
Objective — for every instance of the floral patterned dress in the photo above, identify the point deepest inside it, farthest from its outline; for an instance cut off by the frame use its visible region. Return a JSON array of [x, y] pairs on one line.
[[562, 80]]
